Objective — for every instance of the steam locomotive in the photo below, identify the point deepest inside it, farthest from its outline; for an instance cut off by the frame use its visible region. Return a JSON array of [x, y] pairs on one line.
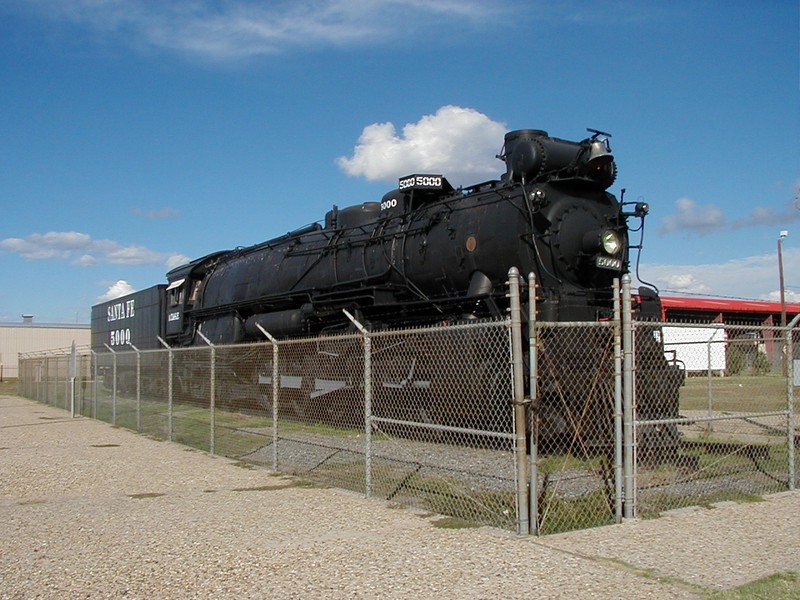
[[426, 253]]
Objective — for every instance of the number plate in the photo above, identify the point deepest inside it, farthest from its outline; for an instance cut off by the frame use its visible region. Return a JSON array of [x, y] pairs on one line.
[[606, 262]]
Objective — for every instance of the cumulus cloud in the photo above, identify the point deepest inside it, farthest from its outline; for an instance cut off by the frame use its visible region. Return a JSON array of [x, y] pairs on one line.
[[244, 28], [82, 250], [741, 278], [691, 217], [116, 290], [686, 282], [176, 260], [460, 143], [762, 215], [54, 244]]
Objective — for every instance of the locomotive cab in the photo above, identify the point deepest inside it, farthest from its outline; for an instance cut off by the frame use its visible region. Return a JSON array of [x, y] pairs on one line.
[[176, 292], [183, 295]]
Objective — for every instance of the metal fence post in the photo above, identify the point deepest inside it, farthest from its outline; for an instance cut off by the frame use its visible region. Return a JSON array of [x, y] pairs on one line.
[[790, 376], [275, 394], [212, 392], [113, 385], [94, 384], [138, 388], [169, 389], [73, 373], [367, 404], [709, 385], [46, 380], [618, 445], [533, 434], [523, 525], [627, 401]]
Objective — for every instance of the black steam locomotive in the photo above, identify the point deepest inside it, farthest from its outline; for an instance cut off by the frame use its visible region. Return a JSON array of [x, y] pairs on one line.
[[426, 253]]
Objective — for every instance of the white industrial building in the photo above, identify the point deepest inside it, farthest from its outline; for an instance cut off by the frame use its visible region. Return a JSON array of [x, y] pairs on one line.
[[27, 336]]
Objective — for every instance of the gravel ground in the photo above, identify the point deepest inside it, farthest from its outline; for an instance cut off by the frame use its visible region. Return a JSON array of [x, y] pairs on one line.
[[93, 511]]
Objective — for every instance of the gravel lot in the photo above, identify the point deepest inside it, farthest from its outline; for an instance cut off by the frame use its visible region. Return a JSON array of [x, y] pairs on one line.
[[93, 511]]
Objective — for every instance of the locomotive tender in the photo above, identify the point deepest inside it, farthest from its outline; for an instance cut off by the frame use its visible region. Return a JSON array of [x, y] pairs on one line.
[[426, 253]]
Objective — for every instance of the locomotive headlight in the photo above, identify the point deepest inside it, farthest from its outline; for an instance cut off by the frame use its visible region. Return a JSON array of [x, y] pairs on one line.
[[610, 242]]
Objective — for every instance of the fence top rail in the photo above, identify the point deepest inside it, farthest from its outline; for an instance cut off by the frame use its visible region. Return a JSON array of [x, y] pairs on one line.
[[573, 324], [80, 351], [450, 327]]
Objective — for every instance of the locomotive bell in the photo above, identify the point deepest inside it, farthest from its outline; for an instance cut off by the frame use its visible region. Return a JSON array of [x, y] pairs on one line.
[[599, 155]]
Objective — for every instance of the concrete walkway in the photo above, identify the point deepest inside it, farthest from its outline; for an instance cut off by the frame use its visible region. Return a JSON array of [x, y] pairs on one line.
[[92, 511]]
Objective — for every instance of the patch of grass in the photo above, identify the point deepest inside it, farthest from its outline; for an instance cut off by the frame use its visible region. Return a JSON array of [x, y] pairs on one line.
[[738, 393], [555, 463], [299, 483], [8, 387], [784, 586], [568, 514], [263, 488], [652, 505], [244, 465]]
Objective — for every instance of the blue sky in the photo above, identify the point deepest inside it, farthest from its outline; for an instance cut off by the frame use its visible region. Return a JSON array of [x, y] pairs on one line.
[[135, 134]]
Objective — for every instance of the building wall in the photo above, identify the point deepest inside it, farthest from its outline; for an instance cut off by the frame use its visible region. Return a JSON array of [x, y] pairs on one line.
[[19, 338]]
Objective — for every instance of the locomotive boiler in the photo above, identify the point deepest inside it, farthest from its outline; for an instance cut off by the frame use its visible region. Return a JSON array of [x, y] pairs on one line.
[[426, 253]]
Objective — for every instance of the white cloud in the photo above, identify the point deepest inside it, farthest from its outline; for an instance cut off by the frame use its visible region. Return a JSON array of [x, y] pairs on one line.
[[686, 282], [788, 295], [460, 143], [766, 215], [176, 260], [244, 28], [691, 217], [116, 290], [753, 277], [133, 255], [81, 250], [85, 260], [54, 244]]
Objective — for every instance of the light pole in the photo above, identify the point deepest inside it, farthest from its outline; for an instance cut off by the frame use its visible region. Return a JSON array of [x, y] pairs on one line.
[[782, 236]]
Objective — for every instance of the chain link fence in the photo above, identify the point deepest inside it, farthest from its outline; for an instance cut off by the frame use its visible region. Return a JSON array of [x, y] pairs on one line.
[[618, 418], [735, 417], [418, 417]]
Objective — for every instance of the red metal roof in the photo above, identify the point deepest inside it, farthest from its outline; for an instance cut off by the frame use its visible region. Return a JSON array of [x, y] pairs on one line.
[[727, 305]]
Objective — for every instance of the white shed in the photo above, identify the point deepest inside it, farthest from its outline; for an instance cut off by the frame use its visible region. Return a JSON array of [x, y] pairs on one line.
[[697, 349]]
